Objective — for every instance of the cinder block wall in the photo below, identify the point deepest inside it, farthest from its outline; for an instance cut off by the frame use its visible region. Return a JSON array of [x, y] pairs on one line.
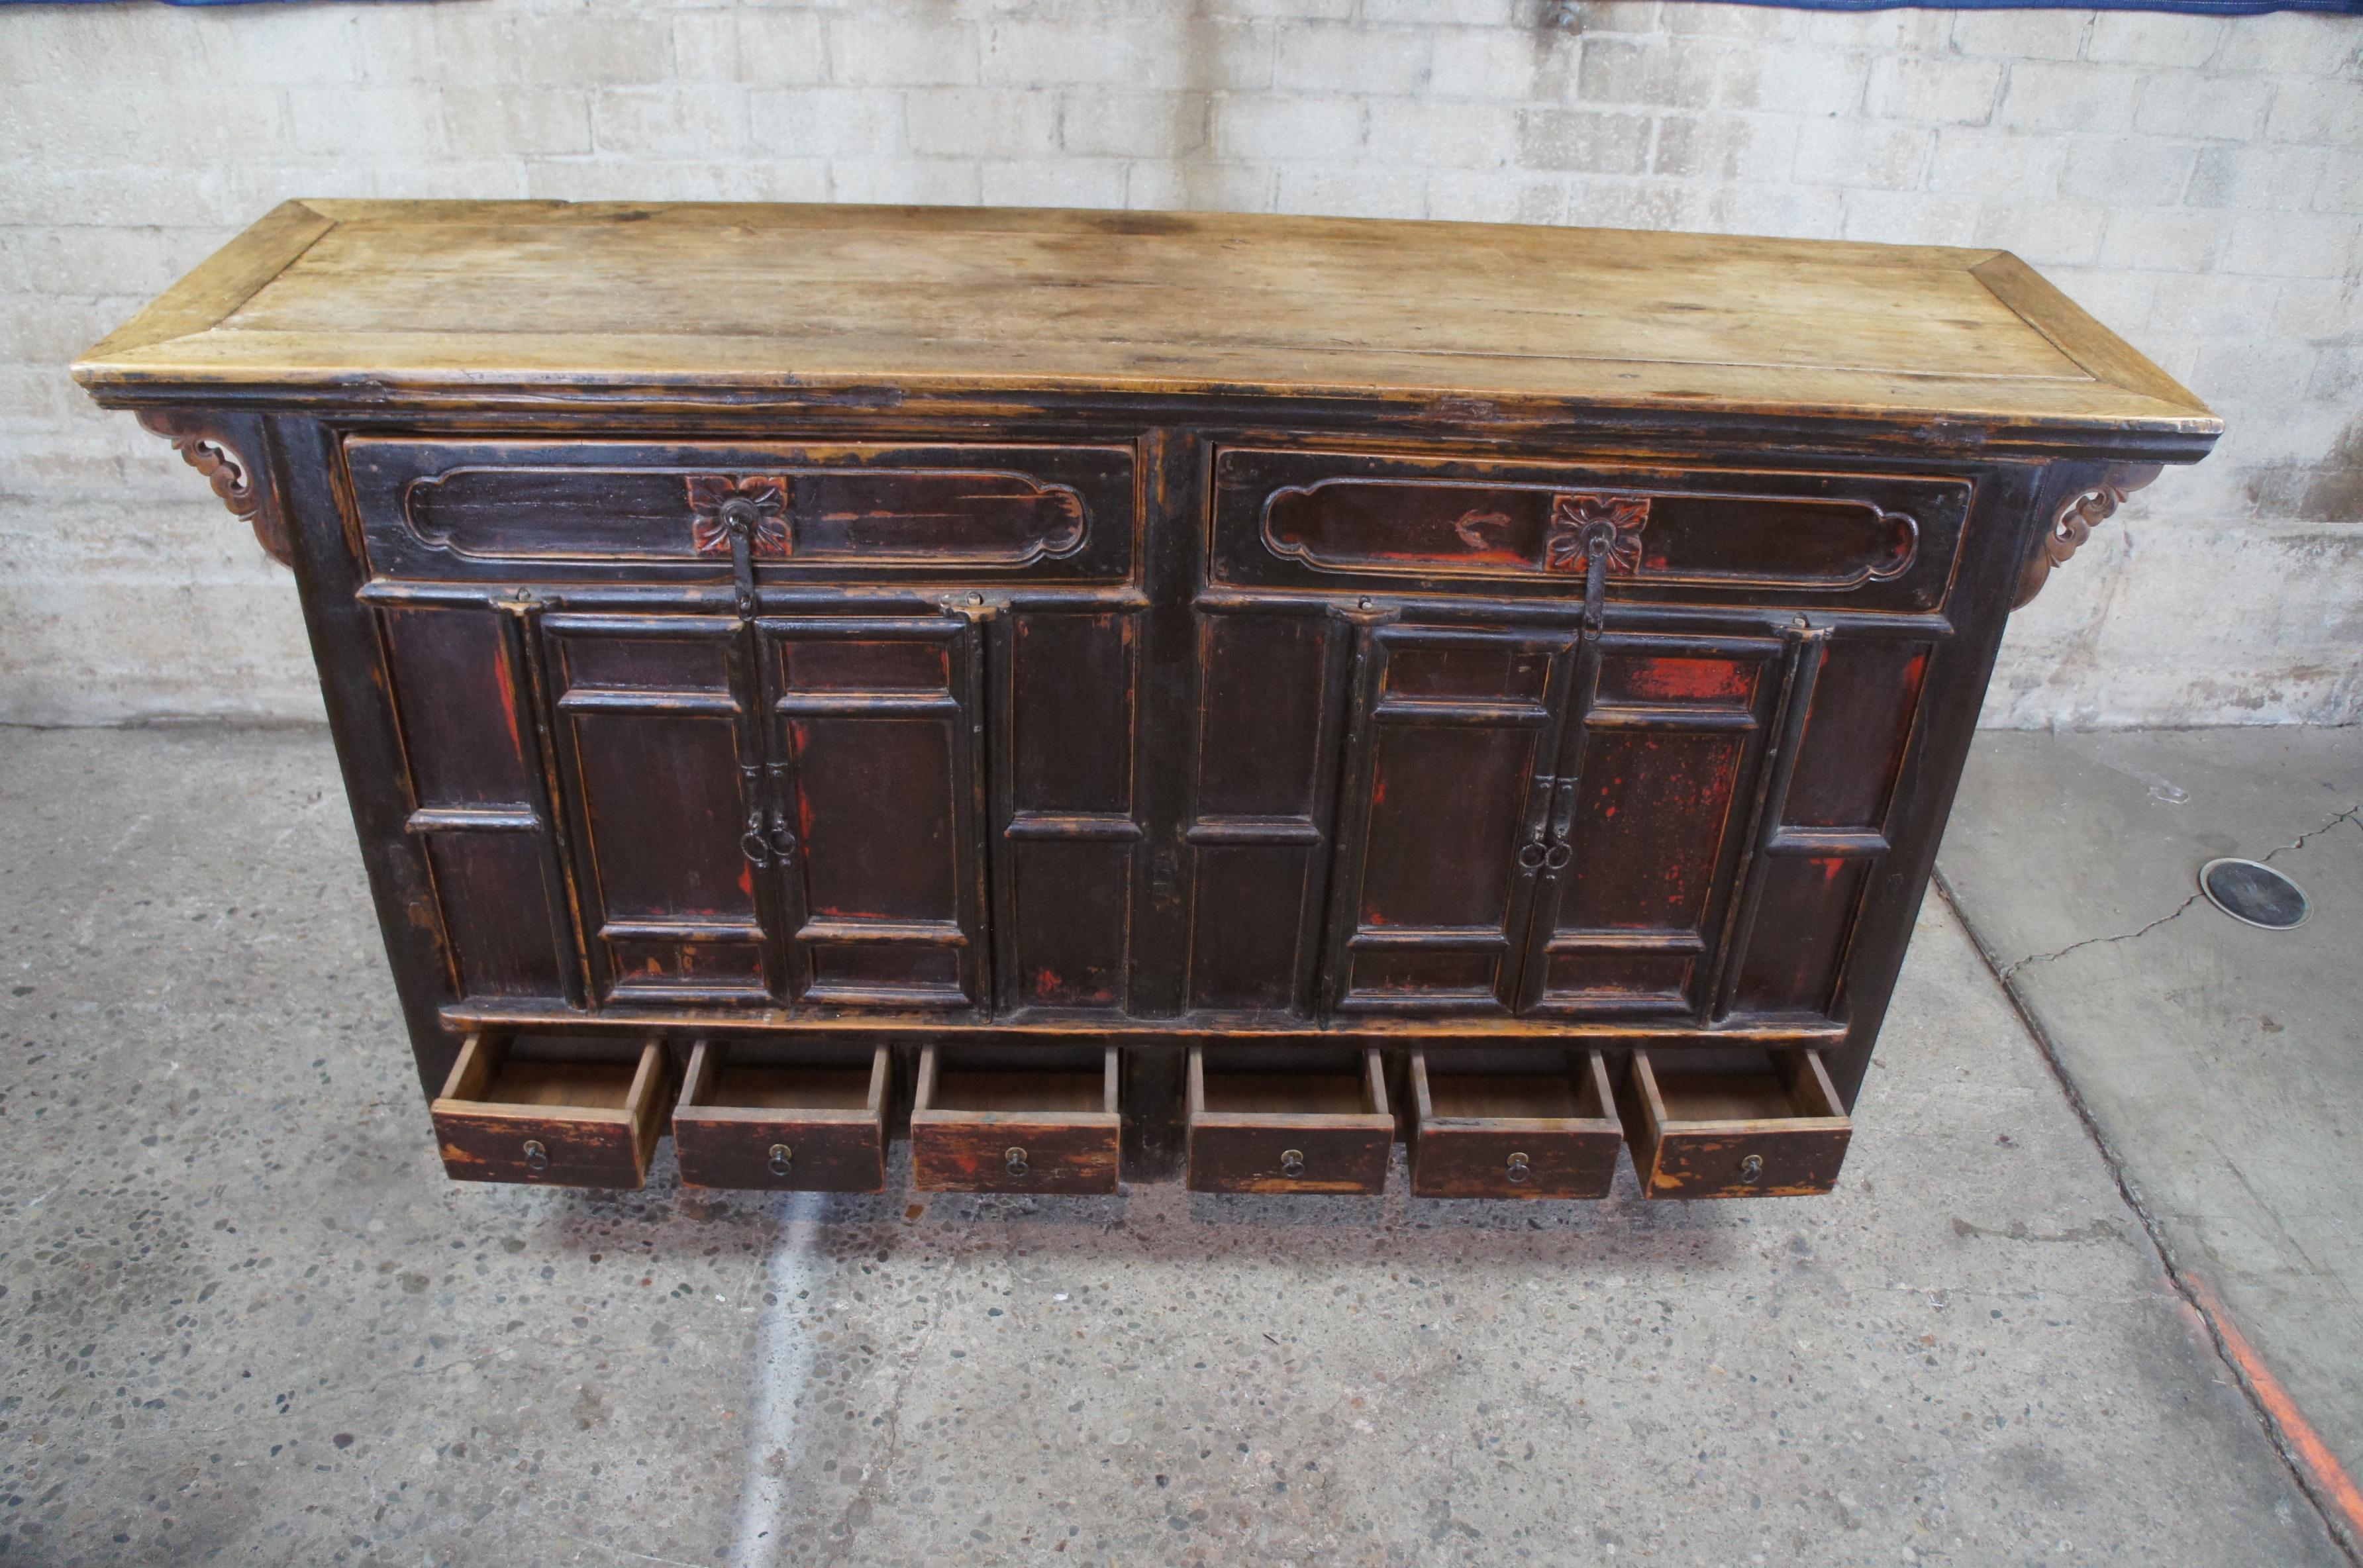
[[2196, 182]]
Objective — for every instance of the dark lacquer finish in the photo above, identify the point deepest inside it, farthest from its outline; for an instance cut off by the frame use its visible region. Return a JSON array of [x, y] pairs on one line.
[[984, 1119], [784, 1114], [1151, 678], [562, 1111], [1734, 1124], [1525, 1122], [1313, 1122]]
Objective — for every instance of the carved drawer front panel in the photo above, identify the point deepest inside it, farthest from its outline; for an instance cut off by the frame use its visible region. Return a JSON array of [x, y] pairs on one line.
[[463, 694], [874, 732], [797, 1115], [1517, 1121], [661, 762], [1304, 1121], [562, 1111], [1733, 1123], [1030, 1117], [594, 509], [1447, 802], [1315, 519], [1647, 821]]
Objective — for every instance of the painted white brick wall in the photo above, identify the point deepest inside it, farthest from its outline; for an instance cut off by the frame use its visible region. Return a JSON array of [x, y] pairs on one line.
[[2195, 182]]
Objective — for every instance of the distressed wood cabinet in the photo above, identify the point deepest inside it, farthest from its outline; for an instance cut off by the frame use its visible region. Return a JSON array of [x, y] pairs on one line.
[[1108, 693]]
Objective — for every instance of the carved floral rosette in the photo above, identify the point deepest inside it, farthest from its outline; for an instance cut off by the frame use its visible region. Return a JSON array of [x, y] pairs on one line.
[[709, 534], [1578, 520]]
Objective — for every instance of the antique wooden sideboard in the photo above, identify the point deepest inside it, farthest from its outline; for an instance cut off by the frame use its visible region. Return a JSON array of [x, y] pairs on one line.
[[1115, 694]]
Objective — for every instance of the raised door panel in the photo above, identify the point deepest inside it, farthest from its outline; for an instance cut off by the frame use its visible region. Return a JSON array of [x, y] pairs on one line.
[[1068, 831], [875, 734], [1442, 826], [1855, 710], [1647, 821], [462, 691], [664, 770], [1266, 766]]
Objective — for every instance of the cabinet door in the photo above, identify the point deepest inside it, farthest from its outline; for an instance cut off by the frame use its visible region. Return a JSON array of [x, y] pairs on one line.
[[874, 733], [662, 761], [1647, 818], [1447, 791]]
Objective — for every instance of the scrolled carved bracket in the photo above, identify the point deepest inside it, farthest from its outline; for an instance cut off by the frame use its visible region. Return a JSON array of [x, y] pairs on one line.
[[2073, 521], [206, 444]]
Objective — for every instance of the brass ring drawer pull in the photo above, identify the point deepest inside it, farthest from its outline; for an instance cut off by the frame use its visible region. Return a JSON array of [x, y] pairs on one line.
[[1292, 1163], [536, 1158], [1518, 1171], [1016, 1161], [783, 1159]]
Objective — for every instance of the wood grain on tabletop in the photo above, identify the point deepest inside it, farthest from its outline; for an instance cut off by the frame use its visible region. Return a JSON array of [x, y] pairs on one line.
[[328, 291]]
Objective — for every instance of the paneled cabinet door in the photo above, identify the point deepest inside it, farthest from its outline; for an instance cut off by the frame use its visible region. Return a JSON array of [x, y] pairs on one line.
[[1648, 814], [662, 764], [1445, 815], [873, 735]]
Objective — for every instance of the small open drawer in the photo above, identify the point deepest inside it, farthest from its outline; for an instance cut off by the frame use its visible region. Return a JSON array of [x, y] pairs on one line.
[[566, 1110], [1522, 1122], [1734, 1123], [808, 1116], [1016, 1119], [1294, 1121]]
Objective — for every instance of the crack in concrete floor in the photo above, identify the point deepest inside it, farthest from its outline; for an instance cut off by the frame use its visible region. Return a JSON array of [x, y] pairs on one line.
[[2352, 815]]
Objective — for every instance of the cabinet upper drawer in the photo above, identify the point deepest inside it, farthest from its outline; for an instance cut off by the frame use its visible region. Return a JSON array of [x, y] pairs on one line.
[[612, 510], [1310, 519]]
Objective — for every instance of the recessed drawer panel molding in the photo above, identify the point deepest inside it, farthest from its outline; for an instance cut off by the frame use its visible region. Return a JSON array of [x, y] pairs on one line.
[[1866, 540], [595, 509]]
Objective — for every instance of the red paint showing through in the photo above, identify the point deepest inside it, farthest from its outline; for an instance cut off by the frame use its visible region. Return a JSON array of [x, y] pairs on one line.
[[2327, 1477]]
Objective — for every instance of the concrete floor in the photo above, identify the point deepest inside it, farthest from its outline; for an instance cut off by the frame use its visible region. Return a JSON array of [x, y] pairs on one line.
[[248, 1322], [2222, 1065]]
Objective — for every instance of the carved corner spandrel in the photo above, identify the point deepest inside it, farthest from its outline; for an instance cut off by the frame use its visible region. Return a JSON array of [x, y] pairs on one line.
[[224, 450], [2072, 521]]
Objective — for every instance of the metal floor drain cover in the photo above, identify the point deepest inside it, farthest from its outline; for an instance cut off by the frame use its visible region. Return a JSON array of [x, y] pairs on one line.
[[2252, 891]]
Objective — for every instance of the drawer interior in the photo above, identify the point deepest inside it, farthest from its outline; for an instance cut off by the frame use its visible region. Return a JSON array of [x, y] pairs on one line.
[[1246, 1081], [790, 1089], [1513, 1083], [1002, 1080], [761, 1074], [990, 1091], [582, 1071], [1758, 1086]]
